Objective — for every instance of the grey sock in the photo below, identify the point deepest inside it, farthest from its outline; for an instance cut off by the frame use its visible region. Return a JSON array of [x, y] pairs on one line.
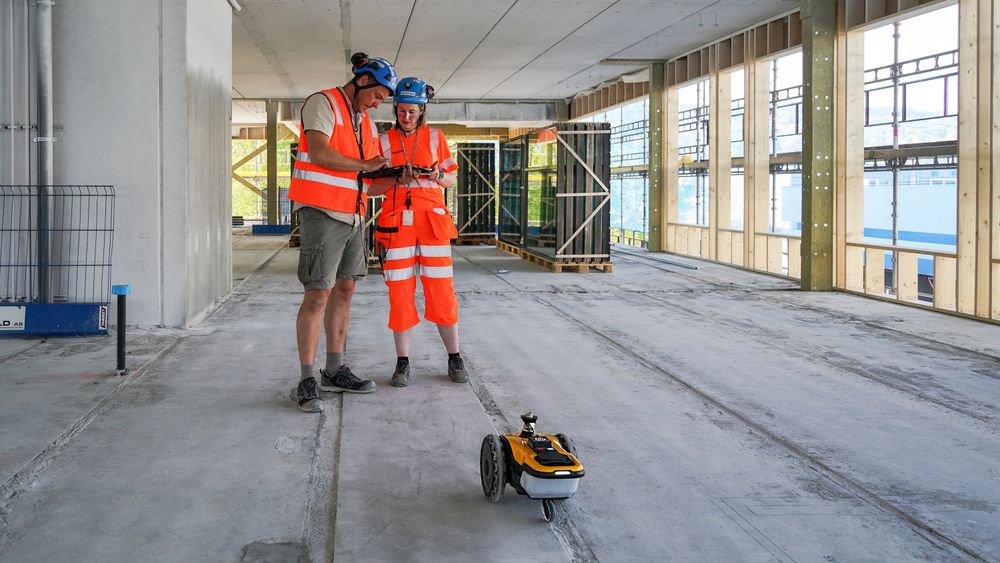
[[333, 361], [305, 372]]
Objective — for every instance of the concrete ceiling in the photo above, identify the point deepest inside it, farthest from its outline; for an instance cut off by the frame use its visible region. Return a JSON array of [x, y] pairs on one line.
[[474, 49]]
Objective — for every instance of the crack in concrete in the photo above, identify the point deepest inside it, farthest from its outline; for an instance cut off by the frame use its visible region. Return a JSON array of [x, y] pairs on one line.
[[571, 538], [813, 462], [25, 477]]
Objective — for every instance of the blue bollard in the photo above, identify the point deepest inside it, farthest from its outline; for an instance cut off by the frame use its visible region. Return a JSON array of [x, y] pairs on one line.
[[121, 291]]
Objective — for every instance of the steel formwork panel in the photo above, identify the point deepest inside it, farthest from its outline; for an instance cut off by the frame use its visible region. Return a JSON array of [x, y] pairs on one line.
[[476, 194]]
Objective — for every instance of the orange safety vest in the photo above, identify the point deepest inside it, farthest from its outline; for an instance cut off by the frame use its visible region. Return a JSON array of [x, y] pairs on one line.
[[430, 147], [336, 190]]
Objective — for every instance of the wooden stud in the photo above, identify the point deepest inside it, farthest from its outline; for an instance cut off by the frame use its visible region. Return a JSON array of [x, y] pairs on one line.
[[984, 150], [995, 163], [757, 168], [760, 252], [671, 166], [854, 275], [722, 150], [967, 154], [874, 271], [794, 257], [724, 250], [906, 269], [682, 240], [737, 254], [774, 254], [713, 147], [944, 282]]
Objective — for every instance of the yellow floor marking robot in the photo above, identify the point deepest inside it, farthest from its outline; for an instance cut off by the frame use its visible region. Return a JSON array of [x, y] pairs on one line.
[[540, 466]]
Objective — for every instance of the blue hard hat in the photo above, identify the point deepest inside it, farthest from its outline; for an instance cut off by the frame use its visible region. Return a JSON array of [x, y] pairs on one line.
[[412, 90], [378, 68]]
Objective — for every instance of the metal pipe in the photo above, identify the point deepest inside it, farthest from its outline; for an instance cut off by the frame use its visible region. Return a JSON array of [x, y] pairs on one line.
[[235, 5], [896, 160], [45, 138]]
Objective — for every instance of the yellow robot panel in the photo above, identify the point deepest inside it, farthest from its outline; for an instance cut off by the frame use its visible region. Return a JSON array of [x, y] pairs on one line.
[[523, 455]]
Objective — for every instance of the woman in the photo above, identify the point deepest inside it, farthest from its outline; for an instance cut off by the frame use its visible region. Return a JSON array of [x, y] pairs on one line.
[[415, 229]]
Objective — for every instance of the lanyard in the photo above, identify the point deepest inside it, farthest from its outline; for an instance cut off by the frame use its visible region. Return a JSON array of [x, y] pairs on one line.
[[408, 159], [356, 125], [355, 122], [402, 142]]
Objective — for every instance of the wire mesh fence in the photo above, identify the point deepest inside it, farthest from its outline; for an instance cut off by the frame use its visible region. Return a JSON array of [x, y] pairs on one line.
[[56, 243]]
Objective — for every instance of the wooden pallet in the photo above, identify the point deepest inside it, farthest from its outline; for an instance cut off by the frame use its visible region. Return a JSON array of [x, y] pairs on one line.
[[552, 265], [473, 241]]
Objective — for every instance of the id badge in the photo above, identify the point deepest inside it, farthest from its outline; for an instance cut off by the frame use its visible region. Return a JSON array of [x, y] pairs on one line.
[[408, 217]]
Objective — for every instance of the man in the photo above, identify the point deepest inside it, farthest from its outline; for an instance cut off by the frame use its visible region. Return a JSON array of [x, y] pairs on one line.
[[338, 141]]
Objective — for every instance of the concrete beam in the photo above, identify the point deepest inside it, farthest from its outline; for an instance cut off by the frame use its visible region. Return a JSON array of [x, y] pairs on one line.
[[489, 113], [818, 45]]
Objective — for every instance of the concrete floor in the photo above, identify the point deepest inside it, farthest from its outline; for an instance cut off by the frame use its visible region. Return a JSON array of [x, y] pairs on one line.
[[721, 416]]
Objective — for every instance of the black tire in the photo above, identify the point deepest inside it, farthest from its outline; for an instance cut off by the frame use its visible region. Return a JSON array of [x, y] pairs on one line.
[[492, 467], [548, 510], [566, 443]]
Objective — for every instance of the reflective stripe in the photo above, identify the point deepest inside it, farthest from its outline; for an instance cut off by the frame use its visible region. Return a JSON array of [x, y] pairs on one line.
[[448, 164], [374, 129], [419, 183], [399, 274], [436, 271], [322, 178], [436, 250], [336, 107], [386, 146], [434, 143], [401, 253], [302, 157]]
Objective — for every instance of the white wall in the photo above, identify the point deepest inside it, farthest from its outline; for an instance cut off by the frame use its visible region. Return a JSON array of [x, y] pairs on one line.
[[143, 90], [209, 87]]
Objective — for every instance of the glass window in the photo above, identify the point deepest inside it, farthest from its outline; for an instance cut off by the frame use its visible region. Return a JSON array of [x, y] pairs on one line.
[[693, 154]]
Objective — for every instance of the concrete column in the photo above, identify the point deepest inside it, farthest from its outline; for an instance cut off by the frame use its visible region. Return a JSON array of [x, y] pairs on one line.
[[657, 203], [161, 106], [818, 44], [272, 162]]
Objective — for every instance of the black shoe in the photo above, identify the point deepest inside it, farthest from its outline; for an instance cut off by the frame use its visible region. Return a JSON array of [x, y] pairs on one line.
[[306, 396], [343, 381], [456, 370], [401, 377]]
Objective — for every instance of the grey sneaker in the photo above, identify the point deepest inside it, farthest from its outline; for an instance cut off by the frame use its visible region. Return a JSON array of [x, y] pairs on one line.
[[344, 381], [456, 370], [401, 377], [306, 395]]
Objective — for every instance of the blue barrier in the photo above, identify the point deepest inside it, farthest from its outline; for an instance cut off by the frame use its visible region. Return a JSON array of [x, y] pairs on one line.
[[271, 230]]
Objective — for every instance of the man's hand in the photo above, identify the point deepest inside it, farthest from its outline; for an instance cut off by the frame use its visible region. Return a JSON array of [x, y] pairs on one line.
[[373, 164]]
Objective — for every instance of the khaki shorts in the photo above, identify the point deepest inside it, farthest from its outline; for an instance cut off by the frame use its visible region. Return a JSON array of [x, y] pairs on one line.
[[331, 250]]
